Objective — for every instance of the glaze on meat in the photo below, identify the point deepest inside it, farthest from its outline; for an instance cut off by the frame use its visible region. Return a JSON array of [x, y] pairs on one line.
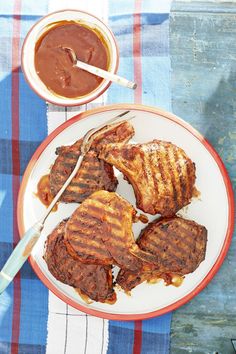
[[179, 244], [100, 231], [93, 280], [94, 174], [161, 174]]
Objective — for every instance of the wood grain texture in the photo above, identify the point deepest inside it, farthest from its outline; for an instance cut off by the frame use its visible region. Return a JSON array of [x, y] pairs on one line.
[[203, 62]]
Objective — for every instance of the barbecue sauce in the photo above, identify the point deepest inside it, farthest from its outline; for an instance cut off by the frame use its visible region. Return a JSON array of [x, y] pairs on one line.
[[110, 301], [177, 280], [53, 63], [196, 193], [169, 279], [84, 296], [43, 191]]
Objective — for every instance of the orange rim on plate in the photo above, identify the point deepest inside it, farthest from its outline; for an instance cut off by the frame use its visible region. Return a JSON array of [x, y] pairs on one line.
[[85, 100], [228, 236]]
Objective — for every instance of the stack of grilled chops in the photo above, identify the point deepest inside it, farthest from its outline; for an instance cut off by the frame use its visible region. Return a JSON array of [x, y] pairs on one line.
[[82, 250]]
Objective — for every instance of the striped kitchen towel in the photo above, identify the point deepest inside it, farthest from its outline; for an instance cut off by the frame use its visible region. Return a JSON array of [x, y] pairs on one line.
[[23, 125], [33, 320]]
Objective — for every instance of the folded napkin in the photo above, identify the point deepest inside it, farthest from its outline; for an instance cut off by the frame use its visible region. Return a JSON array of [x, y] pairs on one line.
[[33, 320]]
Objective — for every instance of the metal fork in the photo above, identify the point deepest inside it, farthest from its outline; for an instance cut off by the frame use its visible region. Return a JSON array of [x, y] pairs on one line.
[[30, 238]]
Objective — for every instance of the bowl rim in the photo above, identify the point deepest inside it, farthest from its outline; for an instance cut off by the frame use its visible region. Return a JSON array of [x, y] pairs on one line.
[[87, 99], [228, 236]]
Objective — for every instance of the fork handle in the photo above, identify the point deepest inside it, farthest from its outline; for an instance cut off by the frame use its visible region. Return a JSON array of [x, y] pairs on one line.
[[19, 255]]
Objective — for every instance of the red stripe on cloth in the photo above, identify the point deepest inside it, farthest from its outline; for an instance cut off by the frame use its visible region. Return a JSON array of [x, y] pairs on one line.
[[137, 52], [137, 348], [15, 166]]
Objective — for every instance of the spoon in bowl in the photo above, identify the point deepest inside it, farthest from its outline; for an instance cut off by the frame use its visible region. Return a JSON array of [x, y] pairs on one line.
[[99, 72]]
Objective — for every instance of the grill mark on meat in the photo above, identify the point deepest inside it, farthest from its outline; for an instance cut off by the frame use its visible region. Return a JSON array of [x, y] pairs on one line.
[[86, 219], [177, 171], [187, 239], [102, 174], [94, 209], [55, 178], [79, 185], [68, 165], [142, 155], [110, 229], [82, 187], [94, 167], [172, 176], [117, 242], [147, 169], [162, 172], [131, 262], [162, 166], [109, 211], [181, 232], [88, 228], [189, 188], [154, 179], [164, 239], [162, 243], [100, 200], [96, 252], [89, 248], [180, 245], [182, 235], [118, 239], [182, 176], [92, 159], [85, 168], [93, 280], [88, 176], [89, 258], [184, 227], [166, 261], [75, 196], [71, 155]]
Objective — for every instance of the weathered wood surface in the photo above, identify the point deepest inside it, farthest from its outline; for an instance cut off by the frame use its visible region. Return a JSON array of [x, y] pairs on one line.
[[203, 62]]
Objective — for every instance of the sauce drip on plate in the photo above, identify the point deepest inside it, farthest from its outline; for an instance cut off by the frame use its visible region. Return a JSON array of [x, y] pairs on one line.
[[53, 63], [43, 191]]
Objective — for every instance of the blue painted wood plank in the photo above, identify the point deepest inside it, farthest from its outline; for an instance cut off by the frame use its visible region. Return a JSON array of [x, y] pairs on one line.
[[203, 63]]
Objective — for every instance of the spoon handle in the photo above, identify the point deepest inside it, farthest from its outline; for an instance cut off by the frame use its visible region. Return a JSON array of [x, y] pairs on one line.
[[106, 75]]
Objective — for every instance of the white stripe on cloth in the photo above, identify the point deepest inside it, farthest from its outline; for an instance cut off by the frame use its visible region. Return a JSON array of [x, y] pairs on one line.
[[71, 331]]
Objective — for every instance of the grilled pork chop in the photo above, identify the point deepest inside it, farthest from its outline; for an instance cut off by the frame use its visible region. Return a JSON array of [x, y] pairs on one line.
[[161, 174], [93, 280], [94, 174], [180, 245], [100, 232]]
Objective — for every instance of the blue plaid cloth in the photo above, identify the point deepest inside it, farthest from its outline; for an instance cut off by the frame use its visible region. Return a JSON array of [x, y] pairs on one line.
[[23, 125], [149, 64], [142, 35]]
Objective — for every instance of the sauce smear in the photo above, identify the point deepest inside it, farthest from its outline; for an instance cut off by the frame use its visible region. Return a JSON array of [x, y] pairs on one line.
[[53, 63], [196, 193], [43, 191]]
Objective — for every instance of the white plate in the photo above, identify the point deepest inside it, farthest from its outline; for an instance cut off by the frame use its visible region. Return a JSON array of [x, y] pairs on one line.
[[214, 209]]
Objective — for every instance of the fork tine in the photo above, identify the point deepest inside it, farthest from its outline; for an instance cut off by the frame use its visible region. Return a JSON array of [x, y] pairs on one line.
[[94, 130], [91, 134], [111, 120]]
